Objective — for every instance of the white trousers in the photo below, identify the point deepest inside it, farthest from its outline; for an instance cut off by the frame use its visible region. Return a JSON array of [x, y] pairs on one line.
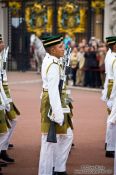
[[3, 138], [7, 141], [111, 137], [55, 154]]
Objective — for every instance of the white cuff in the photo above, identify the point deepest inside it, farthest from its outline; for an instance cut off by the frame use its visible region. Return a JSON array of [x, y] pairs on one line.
[[7, 107], [103, 98], [2, 107], [109, 104], [111, 121], [58, 120]]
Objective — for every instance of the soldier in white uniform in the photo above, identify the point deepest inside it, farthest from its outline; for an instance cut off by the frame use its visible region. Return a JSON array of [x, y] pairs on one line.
[[10, 115], [106, 92], [53, 156], [107, 60], [4, 105], [112, 103], [111, 94]]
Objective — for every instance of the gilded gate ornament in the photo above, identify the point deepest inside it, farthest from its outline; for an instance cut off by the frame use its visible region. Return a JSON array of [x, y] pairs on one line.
[[39, 17], [98, 5], [70, 16], [14, 7], [36, 18]]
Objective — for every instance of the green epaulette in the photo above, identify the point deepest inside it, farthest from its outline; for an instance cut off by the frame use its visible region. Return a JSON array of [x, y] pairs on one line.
[[113, 63], [54, 62], [4, 125], [6, 89], [11, 115]]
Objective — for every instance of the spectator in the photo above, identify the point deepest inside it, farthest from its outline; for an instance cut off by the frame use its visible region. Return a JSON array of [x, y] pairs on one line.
[[67, 41], [80, 71], [91, 66], [74, 64]]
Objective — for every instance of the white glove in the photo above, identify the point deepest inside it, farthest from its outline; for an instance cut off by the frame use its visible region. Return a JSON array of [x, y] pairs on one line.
[[103, 98], [104, 95], [7, 107], [2, 107], [9, 100], [111, 124], [109, 104], [60, 121], [57, 120]]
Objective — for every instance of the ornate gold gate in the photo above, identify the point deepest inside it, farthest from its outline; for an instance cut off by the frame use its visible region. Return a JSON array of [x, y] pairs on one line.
[[71, 18], [76, 17]]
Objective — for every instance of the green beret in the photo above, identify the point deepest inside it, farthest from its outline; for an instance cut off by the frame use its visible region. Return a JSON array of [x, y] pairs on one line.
[[111, 40], [0, 37], [52, 40], [45, 37]]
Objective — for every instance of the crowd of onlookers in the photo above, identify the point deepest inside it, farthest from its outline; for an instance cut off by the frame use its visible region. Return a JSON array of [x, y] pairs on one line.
[[87, 62]]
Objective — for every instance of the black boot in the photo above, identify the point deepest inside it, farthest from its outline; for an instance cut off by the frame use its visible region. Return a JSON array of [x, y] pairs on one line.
[[73, 145], [1, 171], [105, 146], [60, 173], [110, 154], [53, 171], [3, 164], [4, 156], [10, 146]]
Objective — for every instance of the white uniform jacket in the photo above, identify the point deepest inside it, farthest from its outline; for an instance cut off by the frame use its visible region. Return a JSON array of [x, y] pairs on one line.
[[51, 77], [112, 100], [108, 62]]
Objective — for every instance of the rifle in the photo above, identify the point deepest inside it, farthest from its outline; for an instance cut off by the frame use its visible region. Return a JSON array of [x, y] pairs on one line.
[[51, 137], [4, 63]]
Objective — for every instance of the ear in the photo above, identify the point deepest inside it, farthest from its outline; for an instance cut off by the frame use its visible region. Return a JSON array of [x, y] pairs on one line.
[[53, 50]]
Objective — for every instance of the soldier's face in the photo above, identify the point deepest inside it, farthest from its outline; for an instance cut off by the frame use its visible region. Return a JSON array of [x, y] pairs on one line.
[[114, 48], [59, 50], [1, 45]]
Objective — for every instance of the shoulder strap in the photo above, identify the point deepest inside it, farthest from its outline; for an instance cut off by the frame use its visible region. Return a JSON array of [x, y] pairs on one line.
[[54, 62], [113, 63]]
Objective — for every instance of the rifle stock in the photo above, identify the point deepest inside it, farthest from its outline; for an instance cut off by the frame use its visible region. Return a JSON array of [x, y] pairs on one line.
[[51, 137]]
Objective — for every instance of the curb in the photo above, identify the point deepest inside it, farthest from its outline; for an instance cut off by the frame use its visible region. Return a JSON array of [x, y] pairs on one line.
[[85, 89], [69, 86]]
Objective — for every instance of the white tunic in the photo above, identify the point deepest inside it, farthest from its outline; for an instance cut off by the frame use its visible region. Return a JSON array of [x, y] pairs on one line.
[[112, 116], [4, 98], [51, 78], [108, 62]]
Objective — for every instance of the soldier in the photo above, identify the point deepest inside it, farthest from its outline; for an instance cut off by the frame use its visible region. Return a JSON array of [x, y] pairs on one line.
[[54, 155], [112, 103], [110, 88], [4, 105], [74, 64], [105, 90], [11, 114]]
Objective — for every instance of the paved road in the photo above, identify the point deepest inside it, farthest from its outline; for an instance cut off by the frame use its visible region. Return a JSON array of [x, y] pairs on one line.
[[89, 133]]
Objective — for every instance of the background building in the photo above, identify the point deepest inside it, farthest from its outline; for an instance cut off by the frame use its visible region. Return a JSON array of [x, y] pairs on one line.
[[110, 18], [3, 23], [20, 18]]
